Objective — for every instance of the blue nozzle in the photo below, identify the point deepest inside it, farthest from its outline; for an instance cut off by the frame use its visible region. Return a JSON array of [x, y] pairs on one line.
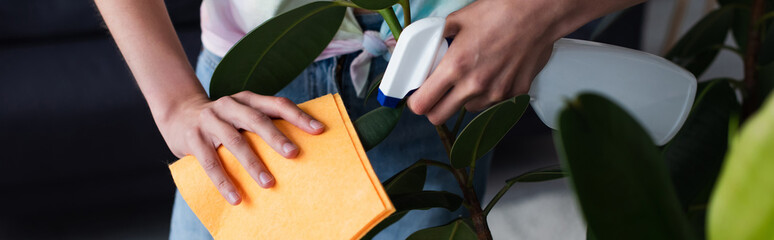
[[387, 101]]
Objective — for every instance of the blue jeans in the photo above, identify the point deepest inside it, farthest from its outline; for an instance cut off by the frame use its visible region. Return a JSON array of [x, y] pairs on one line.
[[413, 138]]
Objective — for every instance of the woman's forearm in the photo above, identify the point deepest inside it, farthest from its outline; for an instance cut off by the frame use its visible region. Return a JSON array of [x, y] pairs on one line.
[[576, 13], [145, 35]]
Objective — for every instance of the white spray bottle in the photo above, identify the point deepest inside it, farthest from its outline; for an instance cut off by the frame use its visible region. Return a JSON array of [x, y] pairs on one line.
[[656, 92]]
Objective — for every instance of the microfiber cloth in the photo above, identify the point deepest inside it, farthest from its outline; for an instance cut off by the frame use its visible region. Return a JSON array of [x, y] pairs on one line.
[[329, 191]]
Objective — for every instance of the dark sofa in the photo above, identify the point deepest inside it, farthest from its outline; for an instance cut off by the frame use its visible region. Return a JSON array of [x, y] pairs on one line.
[[81, 156]]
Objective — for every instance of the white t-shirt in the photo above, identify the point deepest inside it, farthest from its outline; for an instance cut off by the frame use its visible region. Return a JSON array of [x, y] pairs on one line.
[[224, 22]]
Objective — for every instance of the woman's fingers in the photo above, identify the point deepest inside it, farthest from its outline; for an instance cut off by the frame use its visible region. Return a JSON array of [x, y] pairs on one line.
[[433, 89], [238, 145], [208, 159], [286, 109], [253, 120], [450, 104], [280, 107], [452, 26], [220, 123]]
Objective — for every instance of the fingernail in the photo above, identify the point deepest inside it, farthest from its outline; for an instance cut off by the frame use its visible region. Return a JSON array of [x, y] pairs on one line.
[[265, 178], [315, 124], [233, 197], [288, 147]]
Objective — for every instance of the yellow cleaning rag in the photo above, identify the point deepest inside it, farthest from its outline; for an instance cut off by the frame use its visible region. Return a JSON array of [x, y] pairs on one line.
[[329, 191]]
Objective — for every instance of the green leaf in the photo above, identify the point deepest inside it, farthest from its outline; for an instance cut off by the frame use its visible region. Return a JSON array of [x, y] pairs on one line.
[[416, 201], [486, 130], [374, 126], [695, 154], [273, 54], [373, 87], [409, 180], [740, 27], [538, 176], [766, 54], [619, 177], [590, 234], [393, 218], [375, 4], [765, 81], [698, 48], [456, 230], [424, 200], [742, 205], [697, 217]]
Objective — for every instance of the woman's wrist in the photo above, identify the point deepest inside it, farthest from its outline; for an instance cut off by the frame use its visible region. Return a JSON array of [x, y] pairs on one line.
[[146, 37], [166, 111]]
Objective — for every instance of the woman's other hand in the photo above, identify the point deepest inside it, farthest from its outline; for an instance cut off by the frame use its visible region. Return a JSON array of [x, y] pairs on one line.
[[499, 47]]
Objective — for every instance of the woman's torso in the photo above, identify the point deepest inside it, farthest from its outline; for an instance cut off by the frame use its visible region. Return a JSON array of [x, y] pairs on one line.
[[224, 22]]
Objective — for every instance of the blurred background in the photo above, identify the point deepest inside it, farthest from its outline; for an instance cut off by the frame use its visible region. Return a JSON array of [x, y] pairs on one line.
[[82, 158]]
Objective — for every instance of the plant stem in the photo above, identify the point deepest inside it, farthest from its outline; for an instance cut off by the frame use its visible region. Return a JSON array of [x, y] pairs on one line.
[[474, 206], [458, 123], [392, 21], [406, 11], [471, 173], [751, 59], [468, 192], [443, 133]]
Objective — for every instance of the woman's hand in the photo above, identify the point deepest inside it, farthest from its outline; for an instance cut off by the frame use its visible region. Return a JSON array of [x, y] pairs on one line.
[[199, 126], [499, 47], [189, 122]]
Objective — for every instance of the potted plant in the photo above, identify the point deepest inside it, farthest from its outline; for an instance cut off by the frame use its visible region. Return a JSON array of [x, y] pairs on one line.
[[627, 187]]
